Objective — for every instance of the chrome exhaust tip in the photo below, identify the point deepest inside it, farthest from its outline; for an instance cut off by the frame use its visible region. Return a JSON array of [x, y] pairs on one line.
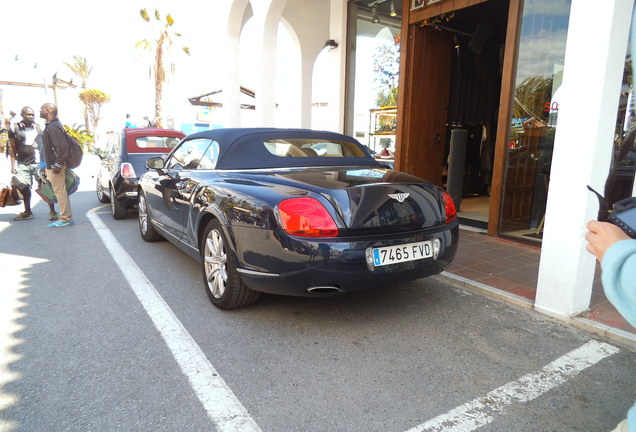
[[323, 290]]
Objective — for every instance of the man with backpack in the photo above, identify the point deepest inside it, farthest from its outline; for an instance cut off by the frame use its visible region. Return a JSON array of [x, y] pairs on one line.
[[58, 154], [25, 141]]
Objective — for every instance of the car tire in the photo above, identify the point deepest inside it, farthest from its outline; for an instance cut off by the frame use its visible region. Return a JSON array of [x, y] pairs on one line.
[[101, 196], [118, 210], [221, 279], [146, 228]]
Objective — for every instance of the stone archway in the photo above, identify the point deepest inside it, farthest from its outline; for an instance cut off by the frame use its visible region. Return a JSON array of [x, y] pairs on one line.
[[309, 25]]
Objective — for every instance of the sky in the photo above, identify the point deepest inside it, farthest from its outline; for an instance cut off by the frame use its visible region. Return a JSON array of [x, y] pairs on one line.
[[543, 38], [38, 39]]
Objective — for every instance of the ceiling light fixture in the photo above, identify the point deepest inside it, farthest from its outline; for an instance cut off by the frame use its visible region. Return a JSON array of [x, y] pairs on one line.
[[393, 12], [374, 14]]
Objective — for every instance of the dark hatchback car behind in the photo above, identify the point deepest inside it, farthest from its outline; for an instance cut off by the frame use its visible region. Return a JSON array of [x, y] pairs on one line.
[[124, 161]]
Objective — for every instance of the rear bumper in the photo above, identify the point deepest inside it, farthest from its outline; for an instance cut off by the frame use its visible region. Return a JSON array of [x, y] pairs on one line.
[[126, 191], [276, 263]]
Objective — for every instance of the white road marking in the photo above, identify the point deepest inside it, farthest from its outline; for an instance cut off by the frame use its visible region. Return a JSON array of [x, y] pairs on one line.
[[482, 411], [222, 406]]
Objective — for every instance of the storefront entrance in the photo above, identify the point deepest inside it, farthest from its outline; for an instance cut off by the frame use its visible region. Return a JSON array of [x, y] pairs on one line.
[[456, 86], [478, 108]]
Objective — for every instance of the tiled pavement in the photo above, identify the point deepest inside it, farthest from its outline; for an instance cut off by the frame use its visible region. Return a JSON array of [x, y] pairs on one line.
[[512, 269]]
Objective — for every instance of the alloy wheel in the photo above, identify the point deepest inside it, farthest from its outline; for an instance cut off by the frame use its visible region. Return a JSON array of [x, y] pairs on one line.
[[143, 215], [215, 262]]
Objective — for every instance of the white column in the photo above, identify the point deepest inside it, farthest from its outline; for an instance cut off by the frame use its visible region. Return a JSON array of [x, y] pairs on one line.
[[593, 70], [231, 95], [267, 14], [338, 32], [306, 94]]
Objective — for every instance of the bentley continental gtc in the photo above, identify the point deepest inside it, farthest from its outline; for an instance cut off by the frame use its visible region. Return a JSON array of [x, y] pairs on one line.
[[293, 212]]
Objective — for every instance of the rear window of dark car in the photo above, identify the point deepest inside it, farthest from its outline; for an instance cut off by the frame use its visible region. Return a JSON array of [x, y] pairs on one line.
[[303, 147], [154, 144]]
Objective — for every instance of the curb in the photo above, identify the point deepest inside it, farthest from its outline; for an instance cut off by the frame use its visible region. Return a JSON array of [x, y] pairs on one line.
[[619, 337]]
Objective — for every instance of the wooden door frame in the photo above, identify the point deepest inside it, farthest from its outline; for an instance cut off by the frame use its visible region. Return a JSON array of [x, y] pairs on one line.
[[410, 18], [506, 105]]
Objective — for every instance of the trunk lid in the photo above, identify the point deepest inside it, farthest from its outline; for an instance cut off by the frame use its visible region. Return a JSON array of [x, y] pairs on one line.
[[371, 199]]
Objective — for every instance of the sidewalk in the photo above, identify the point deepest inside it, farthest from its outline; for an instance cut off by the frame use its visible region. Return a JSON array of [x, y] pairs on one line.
[[509, 270]]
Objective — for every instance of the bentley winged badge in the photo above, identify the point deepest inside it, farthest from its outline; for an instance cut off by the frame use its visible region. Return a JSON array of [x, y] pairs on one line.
[[401, 196]]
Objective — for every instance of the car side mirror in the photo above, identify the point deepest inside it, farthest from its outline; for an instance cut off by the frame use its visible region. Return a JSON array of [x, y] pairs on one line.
[[156, 163]]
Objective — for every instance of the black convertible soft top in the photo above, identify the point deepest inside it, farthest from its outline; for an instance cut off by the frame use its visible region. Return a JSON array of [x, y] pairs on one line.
[[244, 148]]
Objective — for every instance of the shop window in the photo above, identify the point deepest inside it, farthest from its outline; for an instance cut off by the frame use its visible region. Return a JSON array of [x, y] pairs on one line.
[[535, 116], [374, 64], [620, 182]]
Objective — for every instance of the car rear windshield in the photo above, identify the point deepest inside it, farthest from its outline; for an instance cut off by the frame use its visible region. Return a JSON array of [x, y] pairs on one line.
[[307, 147], [153, 144]]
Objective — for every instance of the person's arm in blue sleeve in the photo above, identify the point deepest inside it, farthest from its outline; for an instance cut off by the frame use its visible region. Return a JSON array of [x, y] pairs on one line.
[[619, 277], [617, 254]]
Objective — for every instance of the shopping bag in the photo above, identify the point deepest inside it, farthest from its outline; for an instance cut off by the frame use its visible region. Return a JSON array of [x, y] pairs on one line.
[[46, 190]]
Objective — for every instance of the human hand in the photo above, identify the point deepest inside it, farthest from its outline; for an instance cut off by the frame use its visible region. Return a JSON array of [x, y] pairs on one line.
[[56, 170], [600, 236], [13, 169]]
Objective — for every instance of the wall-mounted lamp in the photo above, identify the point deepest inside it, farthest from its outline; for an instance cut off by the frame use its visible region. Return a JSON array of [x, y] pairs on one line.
[[330, 44], [393, 11]]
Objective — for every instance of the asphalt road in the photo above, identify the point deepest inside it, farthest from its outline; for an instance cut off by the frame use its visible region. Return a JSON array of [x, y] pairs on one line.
[[92, 342]]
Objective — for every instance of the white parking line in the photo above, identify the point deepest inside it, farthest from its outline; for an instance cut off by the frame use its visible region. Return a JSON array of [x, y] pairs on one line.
[[482, 411], [222, 406]]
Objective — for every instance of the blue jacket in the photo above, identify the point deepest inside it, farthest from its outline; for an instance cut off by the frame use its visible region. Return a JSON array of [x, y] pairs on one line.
[[619, 283]]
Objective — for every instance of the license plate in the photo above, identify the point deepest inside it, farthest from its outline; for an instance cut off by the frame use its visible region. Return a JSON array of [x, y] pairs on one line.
[[402, 253]]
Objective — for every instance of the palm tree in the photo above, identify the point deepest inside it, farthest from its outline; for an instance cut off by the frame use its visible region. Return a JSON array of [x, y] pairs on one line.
[[94, 100], [162, 43], [531, 96], [82, 71]]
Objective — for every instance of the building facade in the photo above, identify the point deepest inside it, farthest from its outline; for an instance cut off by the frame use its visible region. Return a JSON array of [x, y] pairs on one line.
[[515, 106]]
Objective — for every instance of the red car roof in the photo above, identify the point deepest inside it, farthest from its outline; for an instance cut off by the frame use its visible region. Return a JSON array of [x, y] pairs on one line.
[[132, 134]]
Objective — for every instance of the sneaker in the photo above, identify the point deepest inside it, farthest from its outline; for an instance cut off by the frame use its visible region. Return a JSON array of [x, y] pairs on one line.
[[60, 224], [23, 216], [52, 215]]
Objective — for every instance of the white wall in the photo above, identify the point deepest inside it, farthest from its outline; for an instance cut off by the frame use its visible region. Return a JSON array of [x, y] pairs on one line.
[[280, 71]]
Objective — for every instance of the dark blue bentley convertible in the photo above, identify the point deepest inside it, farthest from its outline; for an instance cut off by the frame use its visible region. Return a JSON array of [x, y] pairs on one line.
[[294, 212]]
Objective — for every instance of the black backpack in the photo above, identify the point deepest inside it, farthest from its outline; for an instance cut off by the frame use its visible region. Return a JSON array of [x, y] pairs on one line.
[[75, 152]]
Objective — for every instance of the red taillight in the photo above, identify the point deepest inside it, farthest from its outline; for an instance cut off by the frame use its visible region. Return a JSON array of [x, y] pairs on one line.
[[127, 170], [306, 217], [449, 207]]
